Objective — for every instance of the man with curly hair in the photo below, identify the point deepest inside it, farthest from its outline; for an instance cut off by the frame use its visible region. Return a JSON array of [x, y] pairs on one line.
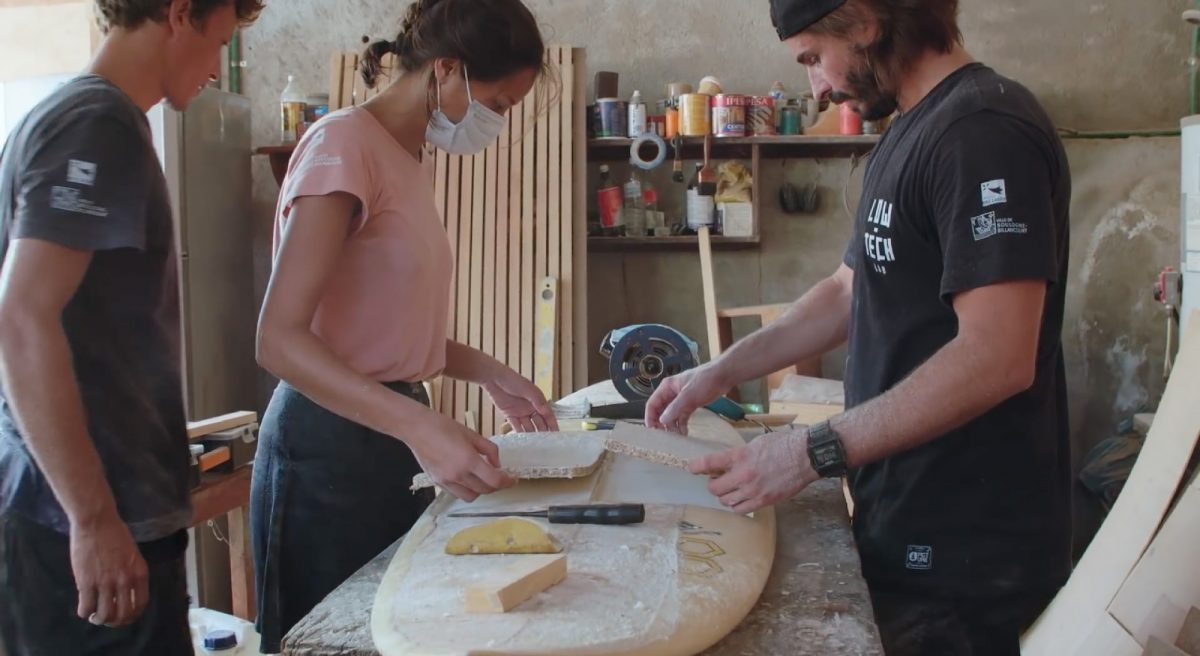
[[94, 499], [950, 295]]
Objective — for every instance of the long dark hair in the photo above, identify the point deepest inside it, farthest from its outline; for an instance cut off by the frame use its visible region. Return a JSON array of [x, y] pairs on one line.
[[907, 28], [493, 38]]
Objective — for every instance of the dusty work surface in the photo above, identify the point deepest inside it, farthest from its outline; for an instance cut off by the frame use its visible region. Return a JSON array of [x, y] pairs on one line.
[[815, 602]]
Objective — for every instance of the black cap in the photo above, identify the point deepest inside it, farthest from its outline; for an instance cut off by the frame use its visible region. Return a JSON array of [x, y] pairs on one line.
[[791, 17]]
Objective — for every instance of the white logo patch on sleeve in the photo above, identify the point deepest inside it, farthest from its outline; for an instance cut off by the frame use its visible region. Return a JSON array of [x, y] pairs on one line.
[[81, 173], [993, 192], [68, 199]]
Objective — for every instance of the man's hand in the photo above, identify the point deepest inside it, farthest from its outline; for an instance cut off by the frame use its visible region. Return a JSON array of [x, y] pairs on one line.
[[773, 467], [677, 397], [110, 574], [521, 402]]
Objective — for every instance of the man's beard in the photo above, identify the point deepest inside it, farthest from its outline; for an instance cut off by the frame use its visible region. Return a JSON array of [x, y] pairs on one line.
[[874, 102]]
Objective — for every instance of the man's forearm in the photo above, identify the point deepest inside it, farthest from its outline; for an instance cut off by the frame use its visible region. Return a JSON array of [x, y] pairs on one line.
[[39, 381], [962, 381], [816, 323], [470, 364]]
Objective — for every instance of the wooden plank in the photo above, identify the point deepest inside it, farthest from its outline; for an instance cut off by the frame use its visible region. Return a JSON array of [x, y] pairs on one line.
[[554, 214], [487, 411], [221, 494], [566, 274], [708, 286], [546, 337], [520, 579], [214, 458], [516, 178], [453, 201], [198, 429], [530, 173], [579, 297], [465, 233], [241, 566], [1103, 635], [1156, 647], [349, 75], [1154, 600], [756, 190], [336, 70], [1189, 636], [475, 321], [1135, 516], [541, 248], [503, 211]]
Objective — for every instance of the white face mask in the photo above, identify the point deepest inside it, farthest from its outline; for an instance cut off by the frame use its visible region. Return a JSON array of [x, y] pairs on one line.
[[479, 127]]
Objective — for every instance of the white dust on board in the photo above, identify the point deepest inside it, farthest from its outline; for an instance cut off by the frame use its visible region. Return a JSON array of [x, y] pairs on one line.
[[610, 571]]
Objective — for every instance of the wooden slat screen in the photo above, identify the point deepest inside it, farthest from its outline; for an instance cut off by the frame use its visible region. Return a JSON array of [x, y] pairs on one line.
[[515, 215]]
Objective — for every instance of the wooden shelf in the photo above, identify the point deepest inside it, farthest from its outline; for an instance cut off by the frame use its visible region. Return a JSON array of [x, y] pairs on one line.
[[778, 147], [279, 157], [674, 242]]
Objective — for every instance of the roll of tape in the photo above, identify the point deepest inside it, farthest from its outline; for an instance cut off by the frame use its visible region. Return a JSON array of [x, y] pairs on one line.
[[635, 151]]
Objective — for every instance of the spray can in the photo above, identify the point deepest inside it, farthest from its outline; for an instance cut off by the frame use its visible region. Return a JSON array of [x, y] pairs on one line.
[[291, 111], [637, 116], [780, 95]]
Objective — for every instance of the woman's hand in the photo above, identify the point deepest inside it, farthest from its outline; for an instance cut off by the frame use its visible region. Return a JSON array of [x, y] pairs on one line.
[[460, 460], [520, 401]]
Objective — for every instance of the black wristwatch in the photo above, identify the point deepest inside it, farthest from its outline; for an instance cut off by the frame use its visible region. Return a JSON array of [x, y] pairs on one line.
[[825, 451]]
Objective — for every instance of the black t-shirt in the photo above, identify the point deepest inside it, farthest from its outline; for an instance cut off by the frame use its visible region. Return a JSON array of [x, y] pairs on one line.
[[969, 188], [81, 171]]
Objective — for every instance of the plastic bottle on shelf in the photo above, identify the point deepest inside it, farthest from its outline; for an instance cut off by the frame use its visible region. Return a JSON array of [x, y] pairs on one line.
[[291, 111], [634, 208], [637, 115]]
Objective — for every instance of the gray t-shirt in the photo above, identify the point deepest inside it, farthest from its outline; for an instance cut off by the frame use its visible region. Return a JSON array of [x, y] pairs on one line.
[[81, 171]]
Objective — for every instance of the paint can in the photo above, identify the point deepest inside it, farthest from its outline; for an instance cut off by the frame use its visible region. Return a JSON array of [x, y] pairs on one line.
[[671, 121], [612, 118], [658, 125], [694, 117], [729, 115], [760, 116]]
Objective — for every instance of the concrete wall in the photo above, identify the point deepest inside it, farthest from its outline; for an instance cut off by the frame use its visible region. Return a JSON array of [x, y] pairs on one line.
[[1095, 65]]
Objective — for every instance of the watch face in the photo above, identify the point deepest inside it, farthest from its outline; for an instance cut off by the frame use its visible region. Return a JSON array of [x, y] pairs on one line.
[[826, 456]]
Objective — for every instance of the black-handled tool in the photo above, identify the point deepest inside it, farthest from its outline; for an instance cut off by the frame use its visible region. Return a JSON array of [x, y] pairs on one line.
[[615, 513]]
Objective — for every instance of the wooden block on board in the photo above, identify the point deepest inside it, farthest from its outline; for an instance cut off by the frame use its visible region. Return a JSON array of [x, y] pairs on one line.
[[1189, 636], [806, 414], [517, 582], [204, 427]]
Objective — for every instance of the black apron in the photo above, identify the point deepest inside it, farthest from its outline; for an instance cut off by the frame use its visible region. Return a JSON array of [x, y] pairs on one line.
[[328, 496]]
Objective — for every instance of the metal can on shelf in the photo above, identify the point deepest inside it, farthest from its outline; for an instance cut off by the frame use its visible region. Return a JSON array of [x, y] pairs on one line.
[[612, 118], [729, 115], [694, 117], [760, 116]]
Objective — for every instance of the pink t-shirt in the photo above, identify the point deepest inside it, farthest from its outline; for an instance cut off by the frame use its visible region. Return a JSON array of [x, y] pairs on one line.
[[384, 308]]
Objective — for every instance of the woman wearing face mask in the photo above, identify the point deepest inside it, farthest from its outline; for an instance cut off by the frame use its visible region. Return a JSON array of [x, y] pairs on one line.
[[355, 313]]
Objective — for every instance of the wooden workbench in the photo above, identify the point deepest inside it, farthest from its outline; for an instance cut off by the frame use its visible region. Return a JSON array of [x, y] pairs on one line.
[[815, 602]]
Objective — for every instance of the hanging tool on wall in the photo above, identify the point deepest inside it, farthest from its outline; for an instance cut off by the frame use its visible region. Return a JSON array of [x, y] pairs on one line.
[[1168, 290], [677, 167]]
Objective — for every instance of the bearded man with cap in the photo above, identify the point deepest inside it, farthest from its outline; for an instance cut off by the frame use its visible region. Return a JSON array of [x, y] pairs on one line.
[[950, 296]]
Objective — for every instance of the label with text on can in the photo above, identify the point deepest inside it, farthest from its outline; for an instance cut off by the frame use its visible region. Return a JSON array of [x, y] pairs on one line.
[[729, 115], [760, 116]]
